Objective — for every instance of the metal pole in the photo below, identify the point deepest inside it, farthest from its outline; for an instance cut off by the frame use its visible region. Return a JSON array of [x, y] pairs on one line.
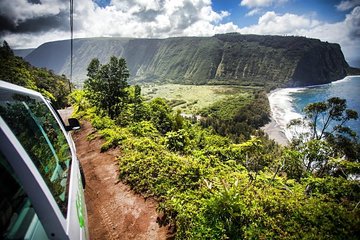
[[71, 41]]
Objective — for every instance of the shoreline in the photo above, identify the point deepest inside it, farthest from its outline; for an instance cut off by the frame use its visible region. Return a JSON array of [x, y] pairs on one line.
[[282, 111], [273, 130]]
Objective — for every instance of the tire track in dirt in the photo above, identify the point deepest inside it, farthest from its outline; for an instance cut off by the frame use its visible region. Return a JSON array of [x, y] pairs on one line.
[[114, 211], [106, 221]]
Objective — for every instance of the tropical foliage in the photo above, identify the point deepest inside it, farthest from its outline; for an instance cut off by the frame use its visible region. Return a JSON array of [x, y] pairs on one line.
[[218, 187], [15, 70], [328, 147], [238, 116], [105, 87]]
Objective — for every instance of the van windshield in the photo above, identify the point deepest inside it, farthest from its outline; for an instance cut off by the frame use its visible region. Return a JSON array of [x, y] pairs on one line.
[[37, 130]]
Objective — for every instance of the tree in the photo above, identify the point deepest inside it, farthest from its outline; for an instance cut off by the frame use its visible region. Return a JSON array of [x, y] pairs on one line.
[[138, 106], [320, 116], [160, 115], [326, 137], [106, 86], [5, 50]]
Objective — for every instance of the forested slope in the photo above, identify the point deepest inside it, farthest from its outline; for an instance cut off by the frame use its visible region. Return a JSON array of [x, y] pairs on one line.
[[15, 70], [221, 59]]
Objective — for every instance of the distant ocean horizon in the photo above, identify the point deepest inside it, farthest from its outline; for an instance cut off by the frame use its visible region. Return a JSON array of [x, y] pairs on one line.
[[288, 103]]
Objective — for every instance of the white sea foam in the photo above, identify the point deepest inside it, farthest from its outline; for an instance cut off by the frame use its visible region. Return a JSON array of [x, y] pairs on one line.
[[282, 109], [345, 79]]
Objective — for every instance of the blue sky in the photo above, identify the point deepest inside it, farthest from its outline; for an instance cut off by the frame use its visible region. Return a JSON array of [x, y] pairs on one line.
[[325, 10], [29, 23]]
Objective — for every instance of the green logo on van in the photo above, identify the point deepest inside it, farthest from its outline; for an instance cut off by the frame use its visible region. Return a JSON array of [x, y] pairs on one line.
[[80, 209]]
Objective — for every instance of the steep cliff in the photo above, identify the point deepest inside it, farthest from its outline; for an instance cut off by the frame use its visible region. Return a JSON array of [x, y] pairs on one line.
[[320, 63], [221, 59]]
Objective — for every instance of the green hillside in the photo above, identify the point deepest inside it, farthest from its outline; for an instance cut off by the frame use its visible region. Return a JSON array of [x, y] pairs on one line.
[[15, 70], [222, 59]]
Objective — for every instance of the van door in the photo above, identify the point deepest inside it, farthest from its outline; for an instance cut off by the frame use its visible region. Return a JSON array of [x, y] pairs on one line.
[[18, 219], [38, 150]]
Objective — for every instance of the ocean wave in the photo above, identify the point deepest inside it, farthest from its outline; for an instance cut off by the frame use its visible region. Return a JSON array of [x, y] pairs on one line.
[[345, 79], [282, 109]]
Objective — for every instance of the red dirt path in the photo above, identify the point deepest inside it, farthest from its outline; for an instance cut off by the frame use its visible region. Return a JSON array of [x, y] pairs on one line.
[[114, 211]]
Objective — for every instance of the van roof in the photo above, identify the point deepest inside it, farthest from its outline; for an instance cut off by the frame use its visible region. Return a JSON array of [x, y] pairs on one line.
[[13, 87]]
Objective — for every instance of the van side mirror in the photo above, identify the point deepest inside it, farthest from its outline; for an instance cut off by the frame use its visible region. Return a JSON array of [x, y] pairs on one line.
[[73, 124]]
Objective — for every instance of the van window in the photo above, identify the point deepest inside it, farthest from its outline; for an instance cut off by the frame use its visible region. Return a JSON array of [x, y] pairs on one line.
[[18, 219], [37, 130]]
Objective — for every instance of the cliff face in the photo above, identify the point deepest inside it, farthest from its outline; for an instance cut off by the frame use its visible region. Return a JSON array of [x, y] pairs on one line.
[[221, 59], [320, 64]]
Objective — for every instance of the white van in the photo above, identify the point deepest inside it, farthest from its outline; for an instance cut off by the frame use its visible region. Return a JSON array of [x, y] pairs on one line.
[[41, 187]]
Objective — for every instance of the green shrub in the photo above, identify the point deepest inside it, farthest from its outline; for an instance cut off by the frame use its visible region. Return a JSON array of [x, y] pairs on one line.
[[113, 137], [144, 129], [102, 122], [177, 141]]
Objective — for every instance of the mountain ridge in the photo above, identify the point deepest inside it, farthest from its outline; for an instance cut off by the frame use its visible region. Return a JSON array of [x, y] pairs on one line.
[[22, 52], [232, 58]]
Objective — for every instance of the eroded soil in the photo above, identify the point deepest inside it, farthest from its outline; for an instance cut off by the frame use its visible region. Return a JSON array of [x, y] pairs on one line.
[[114, 211]]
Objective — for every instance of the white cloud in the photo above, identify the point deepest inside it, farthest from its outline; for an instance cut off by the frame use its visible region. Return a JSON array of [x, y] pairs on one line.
[[203, 28], [257, 6], [271, 23], [22, 10], [253, 12], [124, 18], [346, 33], [261, 3], [347, 5], [156, 18], [27, 40], [169, 18]]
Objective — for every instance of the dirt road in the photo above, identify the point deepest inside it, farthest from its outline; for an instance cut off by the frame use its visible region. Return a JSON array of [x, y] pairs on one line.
[[114, 211]]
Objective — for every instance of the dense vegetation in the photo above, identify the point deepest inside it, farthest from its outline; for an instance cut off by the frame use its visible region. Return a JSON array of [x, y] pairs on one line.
[[254, 60], [327, 137], [15, 70], [238, 117], [211, 187]]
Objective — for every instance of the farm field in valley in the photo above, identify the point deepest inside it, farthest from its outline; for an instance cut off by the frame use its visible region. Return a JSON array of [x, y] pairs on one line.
[[191, 98]]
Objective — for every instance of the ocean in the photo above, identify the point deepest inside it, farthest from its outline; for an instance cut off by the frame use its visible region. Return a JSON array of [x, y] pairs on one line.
[[288, 103]]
